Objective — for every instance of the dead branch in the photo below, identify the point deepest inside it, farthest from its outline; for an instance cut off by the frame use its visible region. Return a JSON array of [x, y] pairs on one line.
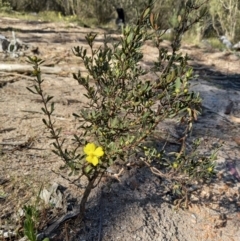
[[21, 68]]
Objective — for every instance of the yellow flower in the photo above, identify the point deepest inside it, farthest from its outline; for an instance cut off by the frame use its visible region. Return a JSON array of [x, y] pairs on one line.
[[175, 165], [93, 153], [210, 169]]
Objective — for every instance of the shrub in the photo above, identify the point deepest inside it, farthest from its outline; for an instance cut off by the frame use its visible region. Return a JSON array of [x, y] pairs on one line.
[[125, 107], [5, 6]]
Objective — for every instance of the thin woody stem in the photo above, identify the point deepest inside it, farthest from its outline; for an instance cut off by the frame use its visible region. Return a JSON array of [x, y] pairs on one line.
[[87, 192]]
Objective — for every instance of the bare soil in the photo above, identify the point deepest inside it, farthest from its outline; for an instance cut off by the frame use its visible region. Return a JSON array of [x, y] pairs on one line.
[[137, 207]]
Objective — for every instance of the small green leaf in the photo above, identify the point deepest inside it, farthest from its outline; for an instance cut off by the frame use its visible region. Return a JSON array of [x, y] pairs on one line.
[[37, 89], [44, 111], [88, 168], [130, 38], [45, 122], [146, 12], [48, 98], [32, 91], [52, 108], [46, 239], [177, 84]]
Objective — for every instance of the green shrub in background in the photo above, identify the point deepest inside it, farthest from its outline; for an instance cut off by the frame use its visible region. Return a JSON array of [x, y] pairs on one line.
[[222, 17], [5, 6], [125, 107]]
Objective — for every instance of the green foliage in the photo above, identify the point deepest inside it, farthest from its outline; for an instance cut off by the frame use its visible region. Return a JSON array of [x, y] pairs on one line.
[[195, 165], [217, 17], [31, 220], [31, 215], [125, 106], [5, 6], [216, 43], [185, 15], [224, 17]]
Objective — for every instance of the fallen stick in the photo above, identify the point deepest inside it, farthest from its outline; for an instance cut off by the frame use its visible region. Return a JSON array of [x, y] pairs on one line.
[[21, 68]]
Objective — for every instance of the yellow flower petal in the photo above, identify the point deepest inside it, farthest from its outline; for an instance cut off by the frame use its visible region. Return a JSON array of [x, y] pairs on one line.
[[89, 158], [89, 148], [92, 159], [98, 152], [95, 161], [93, 153]]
